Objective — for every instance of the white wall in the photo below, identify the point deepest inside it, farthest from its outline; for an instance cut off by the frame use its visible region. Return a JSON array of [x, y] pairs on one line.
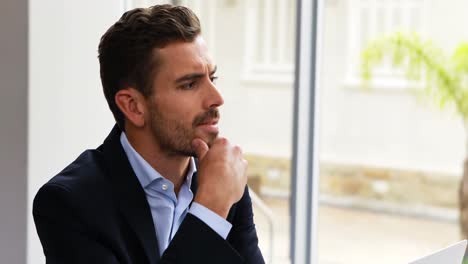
[[67, 109]]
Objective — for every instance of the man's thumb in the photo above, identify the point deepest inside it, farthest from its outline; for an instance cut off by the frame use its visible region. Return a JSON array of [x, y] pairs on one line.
[[200, 148]]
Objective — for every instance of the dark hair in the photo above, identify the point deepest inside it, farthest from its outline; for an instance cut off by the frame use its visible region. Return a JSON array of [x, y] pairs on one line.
[[126, 50]]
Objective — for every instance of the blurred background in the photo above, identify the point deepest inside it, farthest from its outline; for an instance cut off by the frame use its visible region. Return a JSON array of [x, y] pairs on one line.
[[390, 157]]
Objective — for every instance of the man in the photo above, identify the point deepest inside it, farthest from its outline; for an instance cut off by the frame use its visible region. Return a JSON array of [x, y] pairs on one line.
[[141, 197]]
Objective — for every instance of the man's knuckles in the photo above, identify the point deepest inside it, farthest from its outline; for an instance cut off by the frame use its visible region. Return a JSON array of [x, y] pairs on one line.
[[221, 141], [237, 150]]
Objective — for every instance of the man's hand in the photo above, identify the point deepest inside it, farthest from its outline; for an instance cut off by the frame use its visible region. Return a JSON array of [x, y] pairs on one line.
[[221, 175]]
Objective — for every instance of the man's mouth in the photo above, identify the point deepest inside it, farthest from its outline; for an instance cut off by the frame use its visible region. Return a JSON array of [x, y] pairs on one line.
[[209, 118], [210, 126], [212, 122]]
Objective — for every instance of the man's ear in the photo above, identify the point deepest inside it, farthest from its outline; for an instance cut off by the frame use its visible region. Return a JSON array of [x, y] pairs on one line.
[[132, 104]]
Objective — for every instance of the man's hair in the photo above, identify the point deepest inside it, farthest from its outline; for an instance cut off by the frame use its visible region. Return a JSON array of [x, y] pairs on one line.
[[126, 51]]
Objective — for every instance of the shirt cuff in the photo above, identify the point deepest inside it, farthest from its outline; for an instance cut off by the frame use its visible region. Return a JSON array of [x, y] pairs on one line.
[[213, 220]]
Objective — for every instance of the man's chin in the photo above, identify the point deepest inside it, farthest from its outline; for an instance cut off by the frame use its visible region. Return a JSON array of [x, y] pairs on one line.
[[190, 152], [208, 138]]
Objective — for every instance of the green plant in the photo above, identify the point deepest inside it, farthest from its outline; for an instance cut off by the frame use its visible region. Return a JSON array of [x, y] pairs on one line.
[[445, 78]]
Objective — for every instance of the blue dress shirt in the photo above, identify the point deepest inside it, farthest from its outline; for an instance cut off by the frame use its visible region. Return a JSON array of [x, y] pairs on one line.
[[167, 209]]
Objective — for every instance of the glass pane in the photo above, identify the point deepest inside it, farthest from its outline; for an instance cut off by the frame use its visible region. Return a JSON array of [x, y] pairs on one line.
[[391, 160]]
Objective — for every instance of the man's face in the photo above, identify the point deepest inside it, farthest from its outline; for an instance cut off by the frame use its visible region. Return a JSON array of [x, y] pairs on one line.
[[185, 101]]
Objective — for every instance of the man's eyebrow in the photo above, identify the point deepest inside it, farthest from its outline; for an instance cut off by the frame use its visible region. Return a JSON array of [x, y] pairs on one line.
[[188, 77], [195, 75]]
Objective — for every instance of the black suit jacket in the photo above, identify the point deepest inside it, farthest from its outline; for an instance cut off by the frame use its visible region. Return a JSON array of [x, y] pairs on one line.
[[95, 211]]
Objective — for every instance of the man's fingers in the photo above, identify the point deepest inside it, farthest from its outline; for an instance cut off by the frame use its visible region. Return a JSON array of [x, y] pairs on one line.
[[200, 148]]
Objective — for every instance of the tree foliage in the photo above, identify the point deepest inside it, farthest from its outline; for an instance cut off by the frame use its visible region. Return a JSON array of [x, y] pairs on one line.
[[445, 78]]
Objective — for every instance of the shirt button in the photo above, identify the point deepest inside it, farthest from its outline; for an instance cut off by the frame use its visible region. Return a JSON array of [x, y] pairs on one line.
[[164, 187]]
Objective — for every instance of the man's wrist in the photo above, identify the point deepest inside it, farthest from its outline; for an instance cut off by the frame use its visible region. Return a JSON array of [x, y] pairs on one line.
[[219, 224], [219, 208]]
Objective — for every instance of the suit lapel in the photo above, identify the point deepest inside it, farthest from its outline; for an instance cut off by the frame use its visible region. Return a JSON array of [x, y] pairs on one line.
[[130, 195]]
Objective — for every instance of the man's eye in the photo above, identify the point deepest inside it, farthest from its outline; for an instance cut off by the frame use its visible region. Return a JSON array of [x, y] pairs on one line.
[[213, 79], [188, 86]]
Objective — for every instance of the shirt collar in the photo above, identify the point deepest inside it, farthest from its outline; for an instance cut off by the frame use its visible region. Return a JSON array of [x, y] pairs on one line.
[[191, 171], [143, 170]]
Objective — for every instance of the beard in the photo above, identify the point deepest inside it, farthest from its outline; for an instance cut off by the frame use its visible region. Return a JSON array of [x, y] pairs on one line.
[[175, 137]]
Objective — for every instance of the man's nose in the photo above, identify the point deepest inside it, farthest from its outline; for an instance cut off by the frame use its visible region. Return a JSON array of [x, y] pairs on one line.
[[214, 97]]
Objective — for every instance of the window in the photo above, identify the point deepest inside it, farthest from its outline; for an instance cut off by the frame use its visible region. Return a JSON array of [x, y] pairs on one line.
[[368, 19], [269, 41], [390, 164]]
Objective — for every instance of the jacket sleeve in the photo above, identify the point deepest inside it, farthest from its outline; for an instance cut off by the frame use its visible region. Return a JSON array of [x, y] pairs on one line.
[[63, 239], [243, 235], [66, 240], [196, 242]]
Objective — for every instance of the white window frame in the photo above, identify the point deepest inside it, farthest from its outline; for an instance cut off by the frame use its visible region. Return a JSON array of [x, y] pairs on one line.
[[264, 26], [385, 76], [305, 170]]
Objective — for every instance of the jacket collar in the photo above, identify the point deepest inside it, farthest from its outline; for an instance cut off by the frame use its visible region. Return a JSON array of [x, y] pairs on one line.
[[130, 195]]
